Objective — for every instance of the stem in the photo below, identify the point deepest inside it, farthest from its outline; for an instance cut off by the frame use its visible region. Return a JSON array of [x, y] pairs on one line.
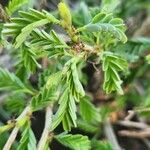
[[98, 38], [109, 132], [45, 134], [142, 110], [130, 115], [11, 139], [15, 131], [135, 134], [29, 91], [81, 29], [133, 124]]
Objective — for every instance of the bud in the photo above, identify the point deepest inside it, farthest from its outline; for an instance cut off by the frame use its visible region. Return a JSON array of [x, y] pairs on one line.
[[65, 15]]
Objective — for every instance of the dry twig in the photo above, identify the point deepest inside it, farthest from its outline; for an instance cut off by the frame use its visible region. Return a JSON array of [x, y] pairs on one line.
[[135, 134], [130, 115], [133, 124], [109, 132]]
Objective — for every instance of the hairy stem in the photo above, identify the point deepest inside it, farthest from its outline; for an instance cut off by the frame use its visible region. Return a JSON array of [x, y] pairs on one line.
[[11, 139], [45, 134], [14, 133]]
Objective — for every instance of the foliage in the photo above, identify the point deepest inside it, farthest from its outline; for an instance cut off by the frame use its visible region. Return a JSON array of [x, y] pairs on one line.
[[107, 27], [28, 140], [29, 59], [97, 145], [53, 52], [75, 142], [112, 64], [10, 81], [15, 5], [88, 111], [43, 98], [15, 103], [48, 42], [148, 58], [28, 21], [109, 5]]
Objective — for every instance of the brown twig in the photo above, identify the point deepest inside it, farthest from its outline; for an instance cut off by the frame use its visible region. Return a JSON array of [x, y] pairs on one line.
[[130, 115], [142, 134], [145, 140], [109, 132], [94, 65], [135, 134], [133, 124]]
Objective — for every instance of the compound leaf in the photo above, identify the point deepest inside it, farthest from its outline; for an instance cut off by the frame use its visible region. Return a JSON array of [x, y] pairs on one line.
[[75, 142]]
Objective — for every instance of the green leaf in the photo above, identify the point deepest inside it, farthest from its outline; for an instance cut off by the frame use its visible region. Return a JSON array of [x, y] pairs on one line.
[[86, 126], [21, 28], [106, 23], [54, 79], [81, 15], [9, 81], [29, 59], [49, 42], [73, 81], [28, 140], [77, 84], [112, 64], [14, 5], [25, 32], [85, 13], [15, 103], [70, 117], [88, 111], [63, 102], [75, 142], [101, 145], [109, 5], [66, 112], [43, 98], [51, 18], [133, 50], [98, 17], [67, 108], [148, 58]]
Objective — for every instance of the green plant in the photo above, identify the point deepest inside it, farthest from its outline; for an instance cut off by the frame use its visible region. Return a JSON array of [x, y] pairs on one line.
[[59, 61]]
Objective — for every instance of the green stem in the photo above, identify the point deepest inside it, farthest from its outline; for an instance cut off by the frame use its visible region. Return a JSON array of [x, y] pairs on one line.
[[28, 91], [81, 29], [142, 110]]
